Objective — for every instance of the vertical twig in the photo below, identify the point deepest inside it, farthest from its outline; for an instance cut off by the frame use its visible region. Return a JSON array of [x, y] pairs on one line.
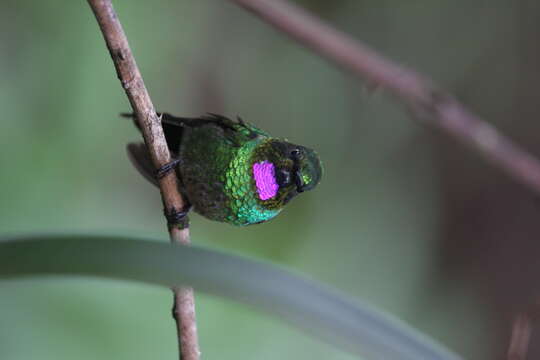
[[522, 329], [132, 82], [519, 340]]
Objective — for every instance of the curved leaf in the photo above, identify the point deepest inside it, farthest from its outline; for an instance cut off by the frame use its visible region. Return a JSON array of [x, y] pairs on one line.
[[320, 311]]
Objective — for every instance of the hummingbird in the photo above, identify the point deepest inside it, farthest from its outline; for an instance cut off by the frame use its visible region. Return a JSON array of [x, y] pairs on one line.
[[230, 170]]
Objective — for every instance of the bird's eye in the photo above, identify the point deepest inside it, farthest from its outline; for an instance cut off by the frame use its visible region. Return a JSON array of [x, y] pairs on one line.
[[295, 152], [283, 178]]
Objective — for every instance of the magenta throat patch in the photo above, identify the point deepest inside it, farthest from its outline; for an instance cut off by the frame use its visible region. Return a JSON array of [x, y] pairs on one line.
[[265, 179]]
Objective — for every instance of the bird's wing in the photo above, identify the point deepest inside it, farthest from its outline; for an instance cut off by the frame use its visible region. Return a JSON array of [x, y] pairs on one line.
[[237, 131], [140, 158]]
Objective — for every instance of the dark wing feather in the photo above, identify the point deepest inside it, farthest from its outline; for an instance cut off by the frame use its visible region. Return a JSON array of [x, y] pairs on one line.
[[173, 130], [140, 158], [238, 132], [173, 126]]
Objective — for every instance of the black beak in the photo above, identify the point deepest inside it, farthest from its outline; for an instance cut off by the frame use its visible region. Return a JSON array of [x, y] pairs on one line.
[[298, 181]]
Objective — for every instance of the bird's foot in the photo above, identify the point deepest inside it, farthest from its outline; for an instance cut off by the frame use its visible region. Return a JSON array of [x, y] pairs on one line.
[[178, 218], [167, 168]]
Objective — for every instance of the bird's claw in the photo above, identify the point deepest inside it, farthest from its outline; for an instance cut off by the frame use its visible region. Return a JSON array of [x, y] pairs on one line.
[[178, 217], [167, 168]]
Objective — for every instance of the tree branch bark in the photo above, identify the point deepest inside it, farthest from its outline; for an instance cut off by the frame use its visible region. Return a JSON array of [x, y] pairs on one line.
[[132, 82], [427, 102], [520, 337]]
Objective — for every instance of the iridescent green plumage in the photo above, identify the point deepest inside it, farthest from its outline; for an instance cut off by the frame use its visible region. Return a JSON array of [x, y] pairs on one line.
[[217, 161]]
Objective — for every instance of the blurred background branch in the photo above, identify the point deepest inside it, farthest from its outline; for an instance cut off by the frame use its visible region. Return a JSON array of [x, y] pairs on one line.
[[520, 337], [428, 103], [132, 82]]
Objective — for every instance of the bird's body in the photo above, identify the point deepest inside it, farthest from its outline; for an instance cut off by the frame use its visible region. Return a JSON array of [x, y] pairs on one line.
[[231, 171]]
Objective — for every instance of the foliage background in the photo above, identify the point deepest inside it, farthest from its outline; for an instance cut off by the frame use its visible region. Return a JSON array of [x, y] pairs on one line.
[[404, 217]]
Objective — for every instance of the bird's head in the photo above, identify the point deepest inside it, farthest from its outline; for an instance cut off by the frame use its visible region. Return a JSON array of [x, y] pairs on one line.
[[282, 170]]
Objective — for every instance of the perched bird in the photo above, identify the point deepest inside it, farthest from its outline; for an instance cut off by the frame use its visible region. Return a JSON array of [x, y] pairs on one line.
[[231, 171]]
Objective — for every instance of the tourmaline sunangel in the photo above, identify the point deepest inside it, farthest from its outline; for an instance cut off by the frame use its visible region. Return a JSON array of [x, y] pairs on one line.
[[231, 171]]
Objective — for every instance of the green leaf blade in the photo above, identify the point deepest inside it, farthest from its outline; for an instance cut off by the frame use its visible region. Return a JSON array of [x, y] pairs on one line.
[[311, 307]]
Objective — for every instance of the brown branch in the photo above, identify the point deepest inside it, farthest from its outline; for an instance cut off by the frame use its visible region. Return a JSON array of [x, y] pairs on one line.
[[132, 82], [428, 103], [519, 340], [522, 329]]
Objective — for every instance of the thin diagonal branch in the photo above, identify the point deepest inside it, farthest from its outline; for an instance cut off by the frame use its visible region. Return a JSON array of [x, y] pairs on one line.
[[132, 82], [428, 103]]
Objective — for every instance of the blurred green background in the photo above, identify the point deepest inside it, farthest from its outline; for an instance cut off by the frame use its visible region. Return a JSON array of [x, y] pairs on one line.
[[404, 217]]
